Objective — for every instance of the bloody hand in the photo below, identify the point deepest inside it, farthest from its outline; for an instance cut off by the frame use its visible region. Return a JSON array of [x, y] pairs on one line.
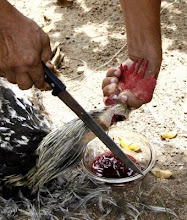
[[130, 85]]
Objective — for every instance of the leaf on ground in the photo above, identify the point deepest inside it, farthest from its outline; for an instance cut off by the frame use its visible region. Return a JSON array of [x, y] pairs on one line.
[[48, 28], [164, 174], [128, 146], [169, 135]]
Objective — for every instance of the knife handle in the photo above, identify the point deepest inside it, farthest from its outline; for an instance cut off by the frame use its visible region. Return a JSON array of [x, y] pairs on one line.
[[52, 80]]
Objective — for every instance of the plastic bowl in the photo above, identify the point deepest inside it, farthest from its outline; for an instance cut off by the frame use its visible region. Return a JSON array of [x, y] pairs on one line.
[[145, 156]]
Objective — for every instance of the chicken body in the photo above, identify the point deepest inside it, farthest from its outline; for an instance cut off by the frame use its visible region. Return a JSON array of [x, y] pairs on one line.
[[22, 128], [31, 155]]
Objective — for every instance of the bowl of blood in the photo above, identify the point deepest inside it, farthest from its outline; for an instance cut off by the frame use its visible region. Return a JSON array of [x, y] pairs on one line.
[[102, 165]]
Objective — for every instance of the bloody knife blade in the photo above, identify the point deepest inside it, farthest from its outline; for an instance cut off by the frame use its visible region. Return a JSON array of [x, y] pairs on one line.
[[59, 89]]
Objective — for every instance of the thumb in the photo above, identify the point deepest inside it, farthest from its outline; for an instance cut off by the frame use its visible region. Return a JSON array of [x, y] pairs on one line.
[[128, 62], [130, 99]]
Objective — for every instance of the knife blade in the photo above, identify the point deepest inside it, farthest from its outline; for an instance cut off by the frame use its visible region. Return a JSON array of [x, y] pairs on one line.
[[59, 89]]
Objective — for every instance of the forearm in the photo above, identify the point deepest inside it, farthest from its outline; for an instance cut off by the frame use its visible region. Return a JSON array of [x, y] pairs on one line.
[[142, 19]]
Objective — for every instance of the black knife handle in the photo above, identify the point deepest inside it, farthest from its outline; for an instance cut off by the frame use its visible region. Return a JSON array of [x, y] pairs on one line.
[[52, 80]]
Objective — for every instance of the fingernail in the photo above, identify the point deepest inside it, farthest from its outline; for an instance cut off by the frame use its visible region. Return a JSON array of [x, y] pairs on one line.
[[117, 72], [123, 98], [111, 87], [113, 80]]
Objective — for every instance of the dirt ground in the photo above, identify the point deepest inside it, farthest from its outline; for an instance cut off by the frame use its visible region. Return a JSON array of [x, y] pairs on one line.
[[93, 38]]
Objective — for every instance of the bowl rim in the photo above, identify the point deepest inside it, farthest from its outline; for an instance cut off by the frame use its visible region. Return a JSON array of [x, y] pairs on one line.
[[126, 179]]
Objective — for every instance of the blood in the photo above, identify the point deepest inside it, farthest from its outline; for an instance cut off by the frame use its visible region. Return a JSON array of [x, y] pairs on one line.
[[110, 166]]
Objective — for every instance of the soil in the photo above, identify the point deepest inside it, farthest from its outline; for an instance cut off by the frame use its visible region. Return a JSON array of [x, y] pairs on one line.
[[93, 38]]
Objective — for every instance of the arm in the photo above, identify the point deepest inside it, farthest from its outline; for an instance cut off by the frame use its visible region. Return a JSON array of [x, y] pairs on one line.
[[142, 20], [23, 45]]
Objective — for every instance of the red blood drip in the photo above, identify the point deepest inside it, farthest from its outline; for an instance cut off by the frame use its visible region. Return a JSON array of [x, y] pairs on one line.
[[110, 166]]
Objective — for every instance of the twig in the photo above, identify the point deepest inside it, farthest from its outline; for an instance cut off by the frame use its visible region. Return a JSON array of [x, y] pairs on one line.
[[87, 77], [111, 58]]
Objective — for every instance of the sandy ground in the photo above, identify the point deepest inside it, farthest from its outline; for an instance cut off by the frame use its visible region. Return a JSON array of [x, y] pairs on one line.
[[91, 33]]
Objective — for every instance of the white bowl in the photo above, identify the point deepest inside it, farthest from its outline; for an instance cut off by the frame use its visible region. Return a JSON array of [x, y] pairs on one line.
[[145, 156]]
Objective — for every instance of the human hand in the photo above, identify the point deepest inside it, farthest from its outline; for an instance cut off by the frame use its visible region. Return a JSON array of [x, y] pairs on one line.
[[129, 84], [110, 84], [142, 21], [23, 45]]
